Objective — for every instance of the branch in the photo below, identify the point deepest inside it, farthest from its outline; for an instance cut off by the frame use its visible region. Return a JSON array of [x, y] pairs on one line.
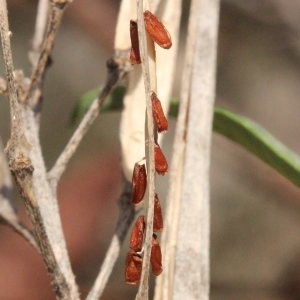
[[18, 147], [126, 216], [8, 214], [39, 33], [56, 13], [19, 151]]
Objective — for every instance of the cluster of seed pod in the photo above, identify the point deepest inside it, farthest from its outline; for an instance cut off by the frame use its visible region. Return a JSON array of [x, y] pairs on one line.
[[156, 30], [134, 260], [133, 266]]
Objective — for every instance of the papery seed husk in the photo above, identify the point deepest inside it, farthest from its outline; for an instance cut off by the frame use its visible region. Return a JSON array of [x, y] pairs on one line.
[[157, 30], [156, 258], [161, 164], [133, 268], [139, 183], [137, 234], [135, 56], [158, 114], [158, 218]]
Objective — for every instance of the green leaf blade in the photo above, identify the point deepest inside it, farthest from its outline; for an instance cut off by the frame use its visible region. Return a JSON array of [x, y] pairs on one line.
[[260, 142]]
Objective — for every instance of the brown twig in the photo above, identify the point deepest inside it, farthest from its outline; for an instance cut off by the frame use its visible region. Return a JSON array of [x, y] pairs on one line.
[[8, 214], [117, 68], [18, 150], [19, 228], [35, 54], [57, 9], [126, 217], [39, 32]]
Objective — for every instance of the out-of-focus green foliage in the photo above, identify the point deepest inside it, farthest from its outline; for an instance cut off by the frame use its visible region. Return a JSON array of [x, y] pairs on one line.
[[113, 102]]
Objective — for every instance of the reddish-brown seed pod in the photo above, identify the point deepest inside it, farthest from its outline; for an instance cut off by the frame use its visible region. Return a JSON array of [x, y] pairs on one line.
[[155, 258], [139, 183], [157, 219], [161, 164], [157, 30], [133, 268], [135, 48], [137, 234], [158, 114]]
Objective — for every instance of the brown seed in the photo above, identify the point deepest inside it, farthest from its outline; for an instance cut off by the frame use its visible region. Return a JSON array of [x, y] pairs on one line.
[[157, 30], [137, 234], [158, 114], [155, 258], [161, 164], [158, 219], [133, 268], [135, 48], [139, 183]]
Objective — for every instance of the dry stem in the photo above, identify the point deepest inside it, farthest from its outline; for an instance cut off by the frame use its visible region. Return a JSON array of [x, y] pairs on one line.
[[191, 280], [169, 236], [126, 216], [117, 68], [39, 33], [147, 53], [8, 213], [56, 13]]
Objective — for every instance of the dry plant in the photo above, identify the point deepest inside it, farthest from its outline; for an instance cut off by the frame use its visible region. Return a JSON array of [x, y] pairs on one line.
[[185, 239]]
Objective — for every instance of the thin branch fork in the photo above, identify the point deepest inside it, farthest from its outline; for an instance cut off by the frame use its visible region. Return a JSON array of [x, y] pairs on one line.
[[117, 68]]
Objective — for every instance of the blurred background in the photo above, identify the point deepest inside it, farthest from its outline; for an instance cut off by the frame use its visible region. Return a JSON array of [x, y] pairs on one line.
[[255, 212]]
